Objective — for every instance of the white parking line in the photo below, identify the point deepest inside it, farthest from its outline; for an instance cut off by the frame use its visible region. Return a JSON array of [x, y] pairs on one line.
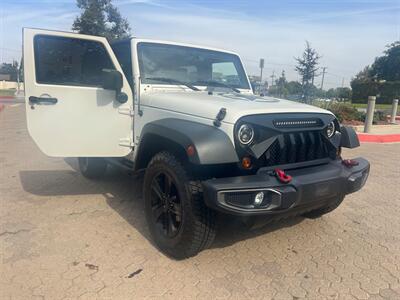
[[15, 105]]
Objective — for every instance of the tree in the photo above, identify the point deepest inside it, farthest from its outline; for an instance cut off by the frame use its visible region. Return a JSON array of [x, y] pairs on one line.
[[387, 67], [363, 75], [331, 93], [382, 78], [10, 69], [307, 66], [294, 88], [281, 84], [102, 18], [343, 93]]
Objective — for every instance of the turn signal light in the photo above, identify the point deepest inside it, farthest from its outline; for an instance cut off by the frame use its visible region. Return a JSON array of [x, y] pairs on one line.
[[190, 150], [246, 162]]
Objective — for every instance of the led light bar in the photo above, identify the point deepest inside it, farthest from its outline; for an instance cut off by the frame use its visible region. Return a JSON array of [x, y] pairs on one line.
[[293, 123]]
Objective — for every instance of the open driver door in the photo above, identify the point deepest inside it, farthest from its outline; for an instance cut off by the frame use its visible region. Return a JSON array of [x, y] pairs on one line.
[[78, 101]]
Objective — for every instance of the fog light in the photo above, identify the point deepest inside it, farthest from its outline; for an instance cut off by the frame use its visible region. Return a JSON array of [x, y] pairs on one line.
[[258, 199]]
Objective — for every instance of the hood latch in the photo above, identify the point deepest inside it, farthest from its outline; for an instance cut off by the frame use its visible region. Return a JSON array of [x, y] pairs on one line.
[[220, 116]]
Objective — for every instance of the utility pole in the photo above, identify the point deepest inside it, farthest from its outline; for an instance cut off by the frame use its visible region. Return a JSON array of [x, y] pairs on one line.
[[323, 77], [281, 83], [272, 77], [18, 79], [342, 82], [261, 71], [313, 76]]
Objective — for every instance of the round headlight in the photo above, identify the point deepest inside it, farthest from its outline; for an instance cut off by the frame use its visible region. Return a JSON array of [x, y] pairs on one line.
[[331, 129], [246, 134]]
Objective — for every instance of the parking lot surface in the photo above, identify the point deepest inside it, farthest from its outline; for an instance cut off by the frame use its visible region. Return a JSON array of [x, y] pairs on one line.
[[65, 237]]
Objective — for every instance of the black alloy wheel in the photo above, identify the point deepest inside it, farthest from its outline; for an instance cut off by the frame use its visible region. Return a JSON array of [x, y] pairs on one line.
[[180, 223], [166, 205]]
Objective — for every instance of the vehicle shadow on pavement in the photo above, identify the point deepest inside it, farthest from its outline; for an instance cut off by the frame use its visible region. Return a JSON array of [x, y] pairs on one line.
[[232, 229], [123, 193]]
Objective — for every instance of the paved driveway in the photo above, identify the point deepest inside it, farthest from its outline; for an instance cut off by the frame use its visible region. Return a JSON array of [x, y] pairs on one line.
[[63, 236]]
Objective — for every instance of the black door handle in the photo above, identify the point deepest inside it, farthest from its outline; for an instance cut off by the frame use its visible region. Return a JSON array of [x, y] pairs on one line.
[[42, 100]]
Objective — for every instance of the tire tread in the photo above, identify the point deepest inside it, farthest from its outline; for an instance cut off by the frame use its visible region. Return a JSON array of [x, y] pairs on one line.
[[204, 228]]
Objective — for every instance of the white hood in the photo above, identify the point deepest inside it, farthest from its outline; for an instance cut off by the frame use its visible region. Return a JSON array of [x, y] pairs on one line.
[[201, 104]]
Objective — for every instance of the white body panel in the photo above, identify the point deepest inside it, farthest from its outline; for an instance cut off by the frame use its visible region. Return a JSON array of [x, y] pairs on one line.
[[203, 105], [86, 121]]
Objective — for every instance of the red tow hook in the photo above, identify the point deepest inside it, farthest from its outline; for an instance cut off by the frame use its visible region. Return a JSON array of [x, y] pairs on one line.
[[350, 162], [282, 176]]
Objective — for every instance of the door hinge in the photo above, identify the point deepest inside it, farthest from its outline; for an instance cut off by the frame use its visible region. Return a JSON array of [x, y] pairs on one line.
[[126, 111], [126, 142]]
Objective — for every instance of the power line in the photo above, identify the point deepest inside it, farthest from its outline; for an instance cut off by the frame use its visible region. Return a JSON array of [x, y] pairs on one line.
[[245, 59], [333, 74]]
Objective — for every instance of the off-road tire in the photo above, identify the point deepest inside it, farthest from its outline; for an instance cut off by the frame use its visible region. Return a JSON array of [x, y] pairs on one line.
[[92, 167], [197, 228], [316, 213]]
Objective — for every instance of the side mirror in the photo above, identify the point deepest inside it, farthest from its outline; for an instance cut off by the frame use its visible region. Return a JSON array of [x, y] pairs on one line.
[[112, 80]]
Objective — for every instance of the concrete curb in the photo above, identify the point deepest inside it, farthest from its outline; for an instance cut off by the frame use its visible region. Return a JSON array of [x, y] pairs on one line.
[[378, 138]]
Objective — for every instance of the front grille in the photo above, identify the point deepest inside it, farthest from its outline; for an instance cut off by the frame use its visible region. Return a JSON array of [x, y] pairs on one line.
[[297, 147], [242, 199]]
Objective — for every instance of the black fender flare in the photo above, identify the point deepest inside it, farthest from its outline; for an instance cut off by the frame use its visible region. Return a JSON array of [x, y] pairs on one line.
[[349, 138], [212, 145]]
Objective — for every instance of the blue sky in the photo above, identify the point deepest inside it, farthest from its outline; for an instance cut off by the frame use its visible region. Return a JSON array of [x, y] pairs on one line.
[[348, 34]]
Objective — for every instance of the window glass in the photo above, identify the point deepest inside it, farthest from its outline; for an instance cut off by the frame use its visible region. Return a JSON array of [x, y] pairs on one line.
[[189, 65], [70, 61], [122, 51], [225, 72]]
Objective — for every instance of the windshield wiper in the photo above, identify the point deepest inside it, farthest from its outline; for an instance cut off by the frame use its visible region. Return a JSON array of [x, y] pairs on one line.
[[173, 81], [217, 84]]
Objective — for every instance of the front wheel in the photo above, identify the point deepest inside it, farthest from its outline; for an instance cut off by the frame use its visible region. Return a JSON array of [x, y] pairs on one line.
[[179, 222], [319, 212], [92, 167]]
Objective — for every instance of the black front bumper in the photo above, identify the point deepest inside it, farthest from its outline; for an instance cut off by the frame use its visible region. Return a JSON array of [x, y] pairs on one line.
[[310, 188]]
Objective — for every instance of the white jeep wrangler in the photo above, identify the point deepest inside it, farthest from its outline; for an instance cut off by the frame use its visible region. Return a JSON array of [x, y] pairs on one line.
[[188, 116]]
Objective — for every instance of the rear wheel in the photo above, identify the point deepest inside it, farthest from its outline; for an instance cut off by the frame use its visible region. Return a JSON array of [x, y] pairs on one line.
[[92, 167], [179, 222], [316, 213]]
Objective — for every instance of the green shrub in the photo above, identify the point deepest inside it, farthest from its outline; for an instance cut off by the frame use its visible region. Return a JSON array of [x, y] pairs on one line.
[[379, 116], [344, 111], [347, 112]]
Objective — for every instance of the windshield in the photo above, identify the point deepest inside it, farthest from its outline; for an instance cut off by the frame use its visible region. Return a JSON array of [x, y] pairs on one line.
[[193, 66]]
